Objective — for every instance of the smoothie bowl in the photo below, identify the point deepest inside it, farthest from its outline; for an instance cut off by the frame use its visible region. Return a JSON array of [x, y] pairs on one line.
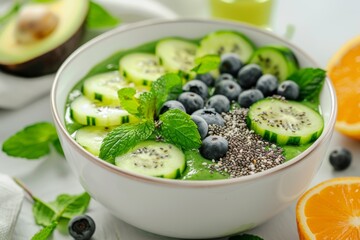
[[191, 158]]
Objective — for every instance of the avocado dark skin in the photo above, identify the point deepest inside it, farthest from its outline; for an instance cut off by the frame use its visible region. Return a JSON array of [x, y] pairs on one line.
[[49, 62]]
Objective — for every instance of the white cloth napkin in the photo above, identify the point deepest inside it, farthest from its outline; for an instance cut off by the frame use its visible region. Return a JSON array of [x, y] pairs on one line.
[[11, 197]]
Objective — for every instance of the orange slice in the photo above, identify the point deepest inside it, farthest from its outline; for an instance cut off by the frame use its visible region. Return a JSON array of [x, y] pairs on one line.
[[344, 72], [330, 210]]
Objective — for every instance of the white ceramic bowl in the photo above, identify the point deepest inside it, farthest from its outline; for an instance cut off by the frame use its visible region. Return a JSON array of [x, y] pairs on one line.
[[185, 209]]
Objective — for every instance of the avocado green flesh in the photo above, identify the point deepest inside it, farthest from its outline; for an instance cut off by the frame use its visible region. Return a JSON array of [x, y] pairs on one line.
[[45, 55], [195, 169]]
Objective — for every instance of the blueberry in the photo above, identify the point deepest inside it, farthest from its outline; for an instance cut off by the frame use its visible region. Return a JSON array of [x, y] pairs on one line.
[[202, 125], [191, 101], [172, 104], [288, 89], [267, 84], [196, 86], [81, 227], [248, 97], [219, 102], [248, 75], [206, 78], [230, 63], [229, 89], [223, 77], [214, 147], [210, 116], [340, 158]]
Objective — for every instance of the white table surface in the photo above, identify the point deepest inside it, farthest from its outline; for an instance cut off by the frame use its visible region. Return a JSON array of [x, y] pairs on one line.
[[322, 26]]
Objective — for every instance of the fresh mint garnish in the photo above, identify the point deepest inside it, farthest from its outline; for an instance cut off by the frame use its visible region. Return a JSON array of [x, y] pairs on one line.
[[245, 237], [310, 81], [32, 142], [99, 18], [45, 232], [167, 87], [177, 127], [206, 64], [128, 101], [123, 138], [62, 209], [174, 126]]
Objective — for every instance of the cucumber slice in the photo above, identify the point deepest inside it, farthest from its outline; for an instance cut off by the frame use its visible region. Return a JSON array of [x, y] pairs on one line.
[[221, 42], [176, 55], [278, 61], [91, 137], [94, 113], [104, 87], [141, 68], [285, 122], [155, 159]]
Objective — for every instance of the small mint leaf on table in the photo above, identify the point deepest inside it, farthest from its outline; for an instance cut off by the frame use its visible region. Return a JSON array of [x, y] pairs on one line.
[[99, 18], [32, 142], [123, 138], [206, 64], [178, 128], [45, 232], [44, 214], [167, 87], [128, 101], [70, 206], [245, 237]]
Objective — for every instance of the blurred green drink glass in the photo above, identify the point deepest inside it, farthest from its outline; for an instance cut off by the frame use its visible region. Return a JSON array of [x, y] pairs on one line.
[[255, 12]]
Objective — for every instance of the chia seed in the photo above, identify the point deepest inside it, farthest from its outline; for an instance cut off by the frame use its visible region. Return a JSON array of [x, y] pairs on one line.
[[248, 152]]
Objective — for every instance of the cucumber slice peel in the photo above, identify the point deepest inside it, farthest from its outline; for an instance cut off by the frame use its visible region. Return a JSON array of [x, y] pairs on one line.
[[153, 158], [223, 41], [285, 122], [278, 61]]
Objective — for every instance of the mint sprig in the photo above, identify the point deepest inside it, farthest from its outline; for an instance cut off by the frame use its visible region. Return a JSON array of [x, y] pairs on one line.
[[177, 127], [33, 141], [174, 126], [206, 64], [62, 209]]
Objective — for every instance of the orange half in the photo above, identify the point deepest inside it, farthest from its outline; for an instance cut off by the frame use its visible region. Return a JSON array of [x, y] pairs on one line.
[[344, 72], [330, 211]]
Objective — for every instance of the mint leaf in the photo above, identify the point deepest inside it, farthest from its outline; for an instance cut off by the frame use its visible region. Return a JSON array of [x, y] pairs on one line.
[[69, 206], [245, 237], [310, 81], [123, 138], [206, 64], [99, 18], [32, 142], [44, 214], [167, 87], [178, 128], [45, 232], [58, 147], [147, 106], [128, 101]]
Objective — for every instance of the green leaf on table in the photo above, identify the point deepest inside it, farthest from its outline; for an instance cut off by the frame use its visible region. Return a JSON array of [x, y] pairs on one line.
[[245, 237], [310, 81], [57, 146], [32, 142], [45, 232], [167, 87], [121, 139], [128, 101], [99, 18], [206, 64], [69, 206], [44, 214], [178, 128]]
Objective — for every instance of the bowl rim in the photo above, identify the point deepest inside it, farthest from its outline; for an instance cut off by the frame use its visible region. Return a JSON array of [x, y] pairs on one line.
[[178, 182]]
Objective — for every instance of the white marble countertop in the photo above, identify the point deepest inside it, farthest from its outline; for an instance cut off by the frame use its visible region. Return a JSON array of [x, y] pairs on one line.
[[322, 26]]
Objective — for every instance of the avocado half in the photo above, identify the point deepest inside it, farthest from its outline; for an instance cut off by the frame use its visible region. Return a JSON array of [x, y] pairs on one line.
[[46, 55]]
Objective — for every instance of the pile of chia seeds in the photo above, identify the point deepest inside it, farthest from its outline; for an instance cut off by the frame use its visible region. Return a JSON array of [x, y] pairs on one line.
[[248, 153]]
